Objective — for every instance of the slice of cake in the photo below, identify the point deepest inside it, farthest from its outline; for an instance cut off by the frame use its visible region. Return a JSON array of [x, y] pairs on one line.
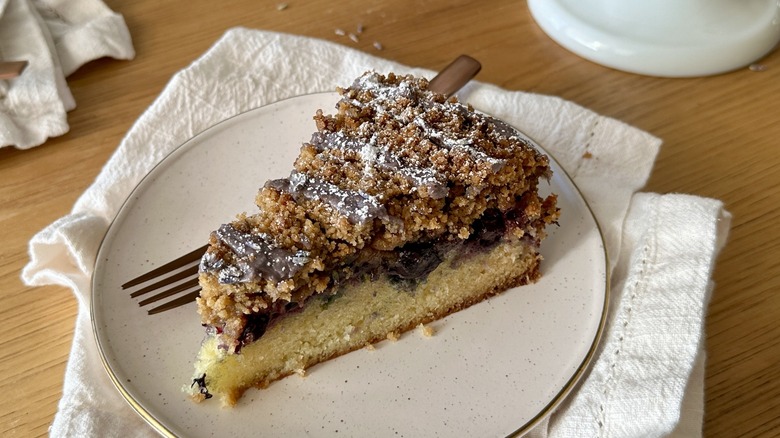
[[404, 207]]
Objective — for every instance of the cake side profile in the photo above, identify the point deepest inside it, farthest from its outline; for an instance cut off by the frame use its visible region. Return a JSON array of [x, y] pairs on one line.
[[404, 207]]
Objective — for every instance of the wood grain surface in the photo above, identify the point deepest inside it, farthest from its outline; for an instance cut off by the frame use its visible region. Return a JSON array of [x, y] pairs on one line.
[[721, 139]]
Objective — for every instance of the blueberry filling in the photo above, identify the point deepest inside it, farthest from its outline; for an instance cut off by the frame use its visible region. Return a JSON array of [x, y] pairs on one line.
[[201, 382], [255, 328], [415, 261], [406, 267]]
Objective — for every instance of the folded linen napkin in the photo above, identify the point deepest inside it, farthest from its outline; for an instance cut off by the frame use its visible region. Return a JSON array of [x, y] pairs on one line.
[[56, 38], [661, 247]]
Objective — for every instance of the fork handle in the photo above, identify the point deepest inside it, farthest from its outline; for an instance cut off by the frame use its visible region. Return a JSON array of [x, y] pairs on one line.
[[454, 76], [11, 69]]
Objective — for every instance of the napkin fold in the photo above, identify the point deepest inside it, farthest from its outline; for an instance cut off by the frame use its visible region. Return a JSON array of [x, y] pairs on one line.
[[56, 37], [647, 377]]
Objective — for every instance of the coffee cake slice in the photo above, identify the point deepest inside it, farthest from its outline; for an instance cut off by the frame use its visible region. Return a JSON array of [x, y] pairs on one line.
[[405, 206]]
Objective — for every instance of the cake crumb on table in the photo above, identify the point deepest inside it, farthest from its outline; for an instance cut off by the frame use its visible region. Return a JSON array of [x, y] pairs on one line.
[[757, 67], [393, 336]]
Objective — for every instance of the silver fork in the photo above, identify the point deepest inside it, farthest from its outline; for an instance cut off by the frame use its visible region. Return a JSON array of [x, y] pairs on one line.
[[180, 276]]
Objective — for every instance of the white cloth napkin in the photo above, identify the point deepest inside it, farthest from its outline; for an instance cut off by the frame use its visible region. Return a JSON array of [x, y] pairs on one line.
[[55, 37], [661, 247]]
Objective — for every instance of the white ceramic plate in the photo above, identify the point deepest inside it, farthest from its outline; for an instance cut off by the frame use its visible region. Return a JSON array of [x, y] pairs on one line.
[[494, 369]]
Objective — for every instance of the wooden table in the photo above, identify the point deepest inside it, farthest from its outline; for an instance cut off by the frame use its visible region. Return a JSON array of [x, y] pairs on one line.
[[720, 140]]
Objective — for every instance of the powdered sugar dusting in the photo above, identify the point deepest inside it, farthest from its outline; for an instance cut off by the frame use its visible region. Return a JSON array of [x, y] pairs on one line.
[[386, 95], [368, 154], [256, 255], [374, 156], [404, 105], [357, 206]]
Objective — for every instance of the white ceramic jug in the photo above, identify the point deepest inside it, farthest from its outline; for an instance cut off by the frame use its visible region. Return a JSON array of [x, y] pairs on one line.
[[673, 38]]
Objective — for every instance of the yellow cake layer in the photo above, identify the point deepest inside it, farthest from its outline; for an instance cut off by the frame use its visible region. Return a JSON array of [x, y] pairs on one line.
[[360, 314]]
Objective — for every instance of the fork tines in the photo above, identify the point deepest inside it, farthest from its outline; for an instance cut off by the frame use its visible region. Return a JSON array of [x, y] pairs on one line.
[[172, 278]]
